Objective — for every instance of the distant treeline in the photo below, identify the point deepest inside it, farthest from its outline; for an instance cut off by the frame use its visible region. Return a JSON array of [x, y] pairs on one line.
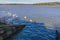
[[13, 4], [48, 3]]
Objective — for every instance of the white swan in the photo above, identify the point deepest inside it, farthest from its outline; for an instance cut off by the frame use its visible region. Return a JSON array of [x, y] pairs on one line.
[[30, 20], [14, 15], [25, 17], [9, 14]]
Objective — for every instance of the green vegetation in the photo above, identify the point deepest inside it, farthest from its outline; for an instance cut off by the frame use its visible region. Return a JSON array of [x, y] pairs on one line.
[[48, 3], [44, 3], [12, 4]]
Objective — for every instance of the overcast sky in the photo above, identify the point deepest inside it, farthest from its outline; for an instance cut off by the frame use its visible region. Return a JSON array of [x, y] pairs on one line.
[[26, 1]]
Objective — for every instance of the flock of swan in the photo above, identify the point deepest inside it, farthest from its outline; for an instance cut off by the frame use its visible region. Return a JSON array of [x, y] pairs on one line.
[[14, 15]]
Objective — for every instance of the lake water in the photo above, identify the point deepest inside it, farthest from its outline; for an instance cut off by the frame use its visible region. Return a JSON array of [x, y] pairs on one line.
[[50, 15]]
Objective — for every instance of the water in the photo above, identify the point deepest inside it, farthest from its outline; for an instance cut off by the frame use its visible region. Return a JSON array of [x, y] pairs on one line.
[[35, 31], [32, 31], [49, 15]]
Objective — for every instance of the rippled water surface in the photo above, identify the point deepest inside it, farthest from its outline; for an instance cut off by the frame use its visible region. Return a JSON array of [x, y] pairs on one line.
[[47, 14]]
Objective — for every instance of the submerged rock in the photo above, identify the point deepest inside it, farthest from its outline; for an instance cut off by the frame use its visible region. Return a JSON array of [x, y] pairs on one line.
[[32, 31], [35, 31]]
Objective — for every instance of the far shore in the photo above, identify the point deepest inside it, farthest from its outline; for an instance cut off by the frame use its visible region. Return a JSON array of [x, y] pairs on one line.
[[37, 4]]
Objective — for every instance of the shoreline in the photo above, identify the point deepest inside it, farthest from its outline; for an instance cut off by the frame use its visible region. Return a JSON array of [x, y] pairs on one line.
[[27, 5], [37, 4]]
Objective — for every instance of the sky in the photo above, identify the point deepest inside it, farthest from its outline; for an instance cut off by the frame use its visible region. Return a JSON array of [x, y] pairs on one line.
[[27, 1]]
